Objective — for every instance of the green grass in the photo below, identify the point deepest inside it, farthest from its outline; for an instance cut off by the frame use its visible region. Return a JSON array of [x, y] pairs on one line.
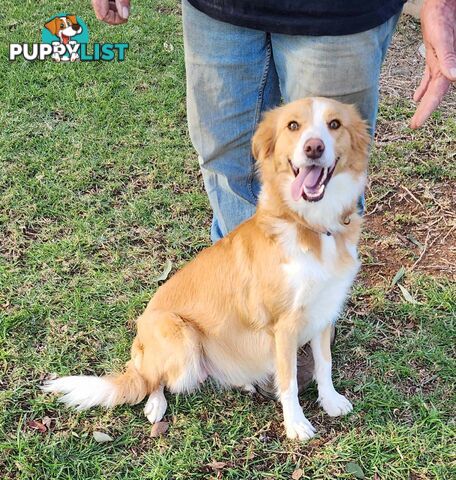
[[99, 187]]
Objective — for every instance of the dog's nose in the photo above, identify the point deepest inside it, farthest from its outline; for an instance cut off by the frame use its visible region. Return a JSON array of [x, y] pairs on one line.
[[76, 26], [314, 148]]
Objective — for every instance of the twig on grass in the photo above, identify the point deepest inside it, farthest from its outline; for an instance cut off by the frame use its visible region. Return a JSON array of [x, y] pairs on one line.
[[451, 229], [426, 246], [411, 194]]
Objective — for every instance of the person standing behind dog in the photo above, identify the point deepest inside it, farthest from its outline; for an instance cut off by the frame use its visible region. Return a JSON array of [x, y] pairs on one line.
[[243, 57]]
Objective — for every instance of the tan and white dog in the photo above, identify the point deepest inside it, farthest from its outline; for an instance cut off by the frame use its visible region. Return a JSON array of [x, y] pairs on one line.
[[241, 309], [65, 28]]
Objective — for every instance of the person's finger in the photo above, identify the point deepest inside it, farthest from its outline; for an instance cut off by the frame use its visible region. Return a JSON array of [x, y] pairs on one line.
[[445, 50], [113, 18], [101, 8], [431, 99], [106, 11], [123, 8], [422, 87], [444, 44]]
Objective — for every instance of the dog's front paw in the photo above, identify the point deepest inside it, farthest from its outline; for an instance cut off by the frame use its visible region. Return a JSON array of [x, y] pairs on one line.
[[299, 427], [335, 404]]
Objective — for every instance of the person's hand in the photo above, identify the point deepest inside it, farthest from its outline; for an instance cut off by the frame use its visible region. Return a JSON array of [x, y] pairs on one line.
[[113, 12], [438, 24]]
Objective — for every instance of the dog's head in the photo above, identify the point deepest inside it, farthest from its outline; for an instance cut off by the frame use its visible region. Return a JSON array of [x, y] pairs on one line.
[[312, 153], [64, 27]]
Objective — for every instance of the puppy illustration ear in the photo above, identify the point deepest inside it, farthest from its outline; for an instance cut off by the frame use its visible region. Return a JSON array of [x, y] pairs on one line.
[[53, 25], [263, 141], [72, 19]]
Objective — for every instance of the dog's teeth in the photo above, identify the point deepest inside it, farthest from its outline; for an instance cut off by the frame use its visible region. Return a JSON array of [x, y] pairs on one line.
[[325, 174]]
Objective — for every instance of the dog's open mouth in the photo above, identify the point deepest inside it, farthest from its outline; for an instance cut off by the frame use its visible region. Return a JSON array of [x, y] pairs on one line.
[[310, 182]]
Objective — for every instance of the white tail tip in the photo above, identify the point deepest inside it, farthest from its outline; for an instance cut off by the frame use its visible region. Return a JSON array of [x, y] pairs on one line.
[[83, 392]]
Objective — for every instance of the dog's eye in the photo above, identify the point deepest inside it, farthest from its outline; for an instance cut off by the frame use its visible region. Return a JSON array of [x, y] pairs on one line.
[[334, 124], [62, 25], [293, 126]]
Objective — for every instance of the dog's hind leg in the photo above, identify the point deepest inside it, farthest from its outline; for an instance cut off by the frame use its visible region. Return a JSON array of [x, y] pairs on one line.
[[167, 352], [156, 405]]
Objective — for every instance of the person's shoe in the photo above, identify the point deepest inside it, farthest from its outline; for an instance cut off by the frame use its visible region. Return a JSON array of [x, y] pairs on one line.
[[305, 364]]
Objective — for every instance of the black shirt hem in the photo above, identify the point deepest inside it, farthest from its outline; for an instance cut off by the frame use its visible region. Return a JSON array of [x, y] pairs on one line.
[[314, 25]]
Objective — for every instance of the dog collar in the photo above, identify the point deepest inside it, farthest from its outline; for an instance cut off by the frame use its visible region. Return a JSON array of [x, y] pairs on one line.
[[328, 233]]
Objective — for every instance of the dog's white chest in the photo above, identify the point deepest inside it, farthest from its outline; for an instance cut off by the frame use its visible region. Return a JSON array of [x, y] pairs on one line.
[[318, 287]]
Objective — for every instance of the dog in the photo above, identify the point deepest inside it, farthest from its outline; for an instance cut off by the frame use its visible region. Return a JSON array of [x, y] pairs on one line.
[[241, 309], [64, 28]]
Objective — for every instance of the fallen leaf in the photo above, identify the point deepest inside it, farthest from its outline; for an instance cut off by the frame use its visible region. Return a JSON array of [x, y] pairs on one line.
[[101, 437], [216, 465], [166, 271], [159, 428], [35, 425], [47, 422], [297, 474], [355, 470], [400, 273], [406, 294]]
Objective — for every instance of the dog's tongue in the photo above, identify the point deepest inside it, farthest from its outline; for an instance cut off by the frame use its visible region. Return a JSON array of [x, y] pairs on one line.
[[307, 177]]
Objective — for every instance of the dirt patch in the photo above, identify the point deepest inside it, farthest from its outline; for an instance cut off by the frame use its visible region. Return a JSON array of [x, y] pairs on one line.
[[414, 227]]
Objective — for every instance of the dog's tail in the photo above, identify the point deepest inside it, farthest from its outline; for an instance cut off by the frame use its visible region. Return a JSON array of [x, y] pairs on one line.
[[84, 392]]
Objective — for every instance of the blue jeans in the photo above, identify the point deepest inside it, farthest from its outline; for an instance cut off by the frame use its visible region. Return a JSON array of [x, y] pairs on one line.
[[234, 74]]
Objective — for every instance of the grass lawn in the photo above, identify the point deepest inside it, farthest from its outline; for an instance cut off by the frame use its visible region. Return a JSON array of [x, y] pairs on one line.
[[99, 189]]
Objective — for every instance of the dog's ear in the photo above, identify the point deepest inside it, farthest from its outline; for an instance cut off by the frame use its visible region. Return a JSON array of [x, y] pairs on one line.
[[53, 25], [263, 142], [72, 19], [359, 137]]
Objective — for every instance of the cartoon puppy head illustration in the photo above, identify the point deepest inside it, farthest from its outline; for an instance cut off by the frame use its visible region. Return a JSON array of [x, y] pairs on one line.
[[64, 27]]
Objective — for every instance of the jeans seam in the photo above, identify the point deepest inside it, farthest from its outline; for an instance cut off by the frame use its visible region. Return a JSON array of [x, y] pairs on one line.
[[389, 33], [258, 109]]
